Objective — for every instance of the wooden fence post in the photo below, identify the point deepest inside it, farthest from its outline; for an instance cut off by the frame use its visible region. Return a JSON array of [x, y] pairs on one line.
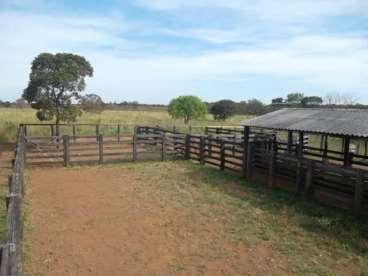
[[299, 166], [74, 133], [358, 194], [100, 148], [309, 178], [201, 149], [52, 130], [245, 149], [299, 169], [135, 140], [234, 140], [210, 140], [222, 155], [118, 133], [25, 130], [272, 165], [163, 149], [97, 132], [187, 147], [66, 150], [249, 161]]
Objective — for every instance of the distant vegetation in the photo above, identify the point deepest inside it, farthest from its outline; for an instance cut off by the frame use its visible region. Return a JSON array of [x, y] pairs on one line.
[[187, 108]]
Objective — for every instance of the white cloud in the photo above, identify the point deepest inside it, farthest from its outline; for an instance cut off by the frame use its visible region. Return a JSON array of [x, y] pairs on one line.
[[266, 9], [128, 69]]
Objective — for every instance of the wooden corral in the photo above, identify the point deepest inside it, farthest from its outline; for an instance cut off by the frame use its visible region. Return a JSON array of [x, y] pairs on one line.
[[253, 152], [335, 177]]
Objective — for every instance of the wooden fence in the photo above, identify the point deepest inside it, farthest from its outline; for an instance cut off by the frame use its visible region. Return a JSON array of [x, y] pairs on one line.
[[254, 157], [11, 248], [278, 166]]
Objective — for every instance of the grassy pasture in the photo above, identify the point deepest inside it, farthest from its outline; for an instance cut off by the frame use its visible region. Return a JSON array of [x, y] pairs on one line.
[[10, 118]]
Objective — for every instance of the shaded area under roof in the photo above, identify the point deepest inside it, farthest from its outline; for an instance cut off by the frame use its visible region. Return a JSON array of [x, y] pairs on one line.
[[352, 122]]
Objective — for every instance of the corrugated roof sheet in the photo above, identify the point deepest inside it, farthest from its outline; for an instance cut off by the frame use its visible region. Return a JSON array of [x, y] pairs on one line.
[[353, 122]]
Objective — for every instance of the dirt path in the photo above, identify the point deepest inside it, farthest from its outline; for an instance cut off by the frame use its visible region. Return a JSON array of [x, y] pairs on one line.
[[95, 221]]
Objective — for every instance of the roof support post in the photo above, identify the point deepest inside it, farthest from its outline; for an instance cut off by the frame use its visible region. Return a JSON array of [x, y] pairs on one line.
[[301, 144], [325, 147], [347, 156], [290, 141]]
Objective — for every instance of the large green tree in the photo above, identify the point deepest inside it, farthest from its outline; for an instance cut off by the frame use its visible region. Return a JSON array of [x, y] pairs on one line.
[[187, 108], [55, 82], [223, 109]]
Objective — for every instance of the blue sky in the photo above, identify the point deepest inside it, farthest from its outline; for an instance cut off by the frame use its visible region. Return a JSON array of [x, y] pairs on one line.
[[152, 51]]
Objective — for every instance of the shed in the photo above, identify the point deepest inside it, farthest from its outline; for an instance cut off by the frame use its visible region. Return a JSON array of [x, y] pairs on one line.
[[344, 123]]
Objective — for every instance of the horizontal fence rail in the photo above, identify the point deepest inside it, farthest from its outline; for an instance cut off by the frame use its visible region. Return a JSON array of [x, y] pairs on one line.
[[11, 248], [299, 167]]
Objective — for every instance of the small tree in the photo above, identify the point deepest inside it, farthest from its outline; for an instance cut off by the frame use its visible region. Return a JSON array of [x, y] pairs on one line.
[[187, 108], [92, 103], [278, 100], [311, 101], [223, 109], [54, 82], [295, 98]]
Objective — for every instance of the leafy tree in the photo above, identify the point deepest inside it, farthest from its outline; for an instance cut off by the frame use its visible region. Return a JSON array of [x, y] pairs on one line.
[[311, 101], [92, 103], [251, 107], [187, 108], [295, 98], [223, 109], [54, 82], [277, 100]]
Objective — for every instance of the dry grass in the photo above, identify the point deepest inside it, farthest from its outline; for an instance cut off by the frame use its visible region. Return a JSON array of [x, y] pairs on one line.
[[314, 239], [10, 118]]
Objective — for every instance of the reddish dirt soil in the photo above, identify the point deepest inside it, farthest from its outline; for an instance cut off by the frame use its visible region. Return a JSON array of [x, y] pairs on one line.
[[93, 221]]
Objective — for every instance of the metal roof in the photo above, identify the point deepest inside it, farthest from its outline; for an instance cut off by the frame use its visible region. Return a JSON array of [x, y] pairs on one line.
[[352, 122]]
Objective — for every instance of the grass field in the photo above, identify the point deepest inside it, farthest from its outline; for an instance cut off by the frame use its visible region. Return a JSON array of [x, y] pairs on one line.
[[187, 220], [10, 118]]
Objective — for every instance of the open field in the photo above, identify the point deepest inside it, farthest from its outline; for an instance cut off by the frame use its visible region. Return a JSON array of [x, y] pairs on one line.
[[178, 218], [10, 118]]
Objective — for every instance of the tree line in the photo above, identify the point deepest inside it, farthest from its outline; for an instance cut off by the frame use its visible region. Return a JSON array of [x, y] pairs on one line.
[[56, 83]]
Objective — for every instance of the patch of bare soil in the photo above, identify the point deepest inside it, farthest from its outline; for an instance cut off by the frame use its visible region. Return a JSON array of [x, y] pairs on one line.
[[94, 221]]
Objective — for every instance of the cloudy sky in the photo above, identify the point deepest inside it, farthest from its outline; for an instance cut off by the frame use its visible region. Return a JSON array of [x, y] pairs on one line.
[[154, 50]]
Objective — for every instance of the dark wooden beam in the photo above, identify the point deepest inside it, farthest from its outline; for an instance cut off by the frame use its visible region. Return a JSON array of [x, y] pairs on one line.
[[290, 140], [347, 160]]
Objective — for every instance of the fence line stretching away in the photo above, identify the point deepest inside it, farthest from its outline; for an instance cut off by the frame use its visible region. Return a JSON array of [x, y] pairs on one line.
[[11, 247]]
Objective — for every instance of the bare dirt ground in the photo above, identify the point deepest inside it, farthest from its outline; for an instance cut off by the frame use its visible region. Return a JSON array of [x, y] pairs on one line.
[[109, 221]]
